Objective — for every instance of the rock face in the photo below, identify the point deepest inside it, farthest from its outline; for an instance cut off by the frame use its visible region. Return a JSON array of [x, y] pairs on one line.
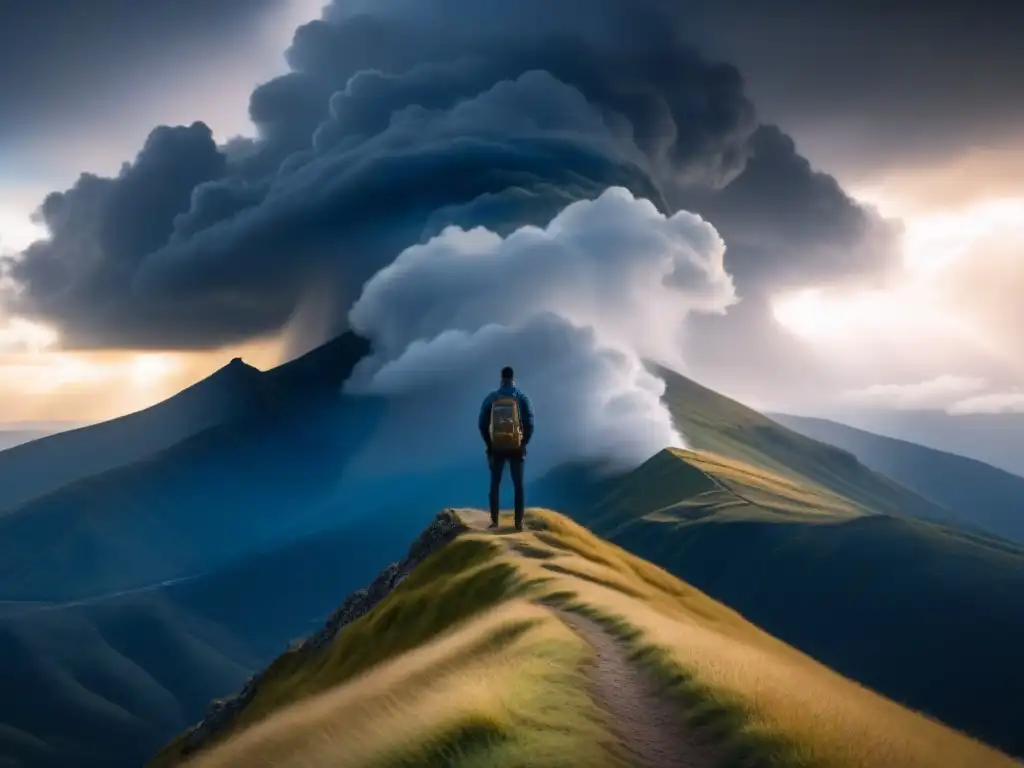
[[445, 527]]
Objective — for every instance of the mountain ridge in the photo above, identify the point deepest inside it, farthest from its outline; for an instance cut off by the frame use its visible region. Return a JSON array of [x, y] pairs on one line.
[[996, 439], [552, 589], [714, 423], [934, 597], [33, 469], [991, 497], [39, 466], [442, 530], [258, 481]]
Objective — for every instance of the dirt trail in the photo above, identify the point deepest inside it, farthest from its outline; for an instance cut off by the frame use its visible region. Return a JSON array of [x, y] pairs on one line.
[[650, 727]]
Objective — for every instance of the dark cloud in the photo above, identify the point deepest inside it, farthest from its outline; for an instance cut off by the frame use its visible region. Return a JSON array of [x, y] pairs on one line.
[[787, 224], [101, 230], [413, 115], [877, 84], [58, 53]]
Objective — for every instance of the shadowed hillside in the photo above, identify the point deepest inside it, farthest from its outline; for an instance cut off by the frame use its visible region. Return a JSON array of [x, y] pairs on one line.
[[236, 390], [103, 682], [553, 648], [234, 488], [40, 466], [982, 495], [994, 438]]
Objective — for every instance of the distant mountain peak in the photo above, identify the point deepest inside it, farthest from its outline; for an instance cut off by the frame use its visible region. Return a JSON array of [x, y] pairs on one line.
[[236, 365]]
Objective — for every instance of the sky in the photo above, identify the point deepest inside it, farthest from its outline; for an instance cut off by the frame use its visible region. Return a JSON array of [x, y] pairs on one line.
[[863, 164], [80, 95]]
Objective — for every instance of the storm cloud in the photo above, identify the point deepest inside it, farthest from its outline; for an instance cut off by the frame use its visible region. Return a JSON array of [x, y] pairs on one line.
[[401, 118], [873, 85], [59, 57], [576, 307]]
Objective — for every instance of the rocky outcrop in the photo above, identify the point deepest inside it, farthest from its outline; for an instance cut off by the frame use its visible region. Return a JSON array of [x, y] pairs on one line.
[[445, 527]]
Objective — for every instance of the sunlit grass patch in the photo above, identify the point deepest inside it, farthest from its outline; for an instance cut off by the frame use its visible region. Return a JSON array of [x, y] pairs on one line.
[[765, 703], [468, 665], [465, 700], [451, 586]]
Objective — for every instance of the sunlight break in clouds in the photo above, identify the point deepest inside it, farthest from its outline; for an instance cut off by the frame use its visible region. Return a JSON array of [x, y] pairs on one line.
[[574, 307], [41, 381], [958, 295], [17, 231]]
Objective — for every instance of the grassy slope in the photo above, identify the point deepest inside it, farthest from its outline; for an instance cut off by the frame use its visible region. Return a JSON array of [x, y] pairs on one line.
[[888, 601], [717, 424], [983, 494], [679, 486], [465, 664]]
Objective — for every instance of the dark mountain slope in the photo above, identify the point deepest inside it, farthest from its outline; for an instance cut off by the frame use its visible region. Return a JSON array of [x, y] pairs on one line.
[[40, 466], [826, 554], [102, 684], [231, 490], [994, 438], [97, 685], [266, 476], [982, 495]]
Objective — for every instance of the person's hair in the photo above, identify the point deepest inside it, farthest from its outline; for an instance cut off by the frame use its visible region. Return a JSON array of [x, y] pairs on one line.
[[507, 374]]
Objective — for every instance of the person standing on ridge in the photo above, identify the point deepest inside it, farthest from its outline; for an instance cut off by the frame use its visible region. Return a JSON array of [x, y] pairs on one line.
[[506, 425]]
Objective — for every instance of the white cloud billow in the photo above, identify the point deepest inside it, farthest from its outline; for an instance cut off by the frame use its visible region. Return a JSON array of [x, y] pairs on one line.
[[937, 393], [575, 307]]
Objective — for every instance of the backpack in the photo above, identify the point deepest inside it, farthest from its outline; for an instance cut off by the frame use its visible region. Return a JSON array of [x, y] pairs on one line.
[[506, 426]]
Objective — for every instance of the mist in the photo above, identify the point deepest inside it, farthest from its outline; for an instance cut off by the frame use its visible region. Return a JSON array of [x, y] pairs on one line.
[[575, 307]]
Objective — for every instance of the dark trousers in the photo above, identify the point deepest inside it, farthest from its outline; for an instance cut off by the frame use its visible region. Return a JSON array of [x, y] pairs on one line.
[[515, 468]]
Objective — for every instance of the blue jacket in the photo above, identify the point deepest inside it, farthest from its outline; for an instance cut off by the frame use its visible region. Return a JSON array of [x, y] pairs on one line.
[[525, 411]]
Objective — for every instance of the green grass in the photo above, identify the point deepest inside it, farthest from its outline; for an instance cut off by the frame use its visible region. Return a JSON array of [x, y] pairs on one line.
[[722, 717], [766, 704], [468, 665], [682, 487], [505, 689], [817, 571], [716, 424], [450, 586]]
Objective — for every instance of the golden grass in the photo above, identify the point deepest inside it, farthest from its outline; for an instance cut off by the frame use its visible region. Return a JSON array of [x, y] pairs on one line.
[[502, 682], [683, 487], [504, 691], [768, 489], [770, 704]]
